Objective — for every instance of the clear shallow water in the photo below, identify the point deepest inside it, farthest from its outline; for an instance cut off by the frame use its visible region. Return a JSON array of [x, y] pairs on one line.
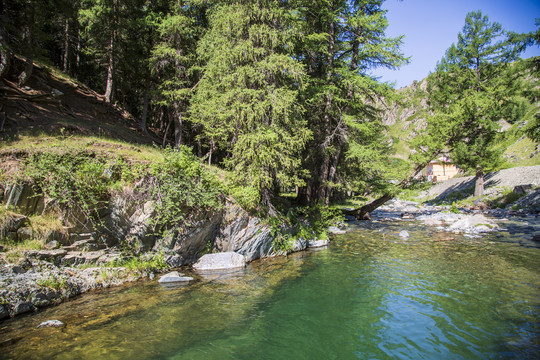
[[370, 295]]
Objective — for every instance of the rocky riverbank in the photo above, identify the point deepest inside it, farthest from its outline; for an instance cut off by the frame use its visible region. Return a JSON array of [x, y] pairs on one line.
[[71, 265], [473, 223]]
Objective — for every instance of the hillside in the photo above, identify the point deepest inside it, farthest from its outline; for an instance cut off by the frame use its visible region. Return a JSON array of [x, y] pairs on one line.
[[53, 104], [406, 118]]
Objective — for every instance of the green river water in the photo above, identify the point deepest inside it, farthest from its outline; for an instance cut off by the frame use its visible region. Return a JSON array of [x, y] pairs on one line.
[[369, 295]]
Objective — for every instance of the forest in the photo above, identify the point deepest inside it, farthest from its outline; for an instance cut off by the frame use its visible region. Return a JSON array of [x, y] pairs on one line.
[[279, 93]]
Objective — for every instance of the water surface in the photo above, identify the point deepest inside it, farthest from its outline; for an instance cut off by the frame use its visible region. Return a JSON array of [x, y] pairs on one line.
[[370, 295]]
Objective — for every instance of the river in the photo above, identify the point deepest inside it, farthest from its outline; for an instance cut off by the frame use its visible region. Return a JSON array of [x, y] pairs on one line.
[[369, 295]]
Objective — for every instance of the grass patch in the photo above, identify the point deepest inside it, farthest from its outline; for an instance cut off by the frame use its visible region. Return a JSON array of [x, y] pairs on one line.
[[53, 283]]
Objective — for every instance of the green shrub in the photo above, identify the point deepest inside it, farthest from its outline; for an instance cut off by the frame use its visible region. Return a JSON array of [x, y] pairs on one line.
[[454, 209], [181, 184], [306, 223], [53, 282]]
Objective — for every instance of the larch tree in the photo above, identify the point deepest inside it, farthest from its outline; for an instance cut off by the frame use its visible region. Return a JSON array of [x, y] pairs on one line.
[[470, 89], [174, 63], [247, 99], [342, 42]]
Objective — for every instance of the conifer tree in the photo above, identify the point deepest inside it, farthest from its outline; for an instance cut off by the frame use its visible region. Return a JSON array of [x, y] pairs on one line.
[[247, 99], [473, 84], [342, 42]]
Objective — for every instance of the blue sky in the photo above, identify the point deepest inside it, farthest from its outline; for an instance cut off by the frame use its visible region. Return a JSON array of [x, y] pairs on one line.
[[431, 26]]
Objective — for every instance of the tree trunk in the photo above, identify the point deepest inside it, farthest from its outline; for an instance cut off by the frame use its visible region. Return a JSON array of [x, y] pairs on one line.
[[145, 105], [363, 212], [5, 58], [479, 185], [65, 58], [178, 126], [110, 69], [28, 33]]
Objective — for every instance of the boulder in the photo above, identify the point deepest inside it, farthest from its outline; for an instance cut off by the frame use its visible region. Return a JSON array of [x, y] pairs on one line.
[[3, 312], [25, 233], [522, 189], [219, 261], [299, 244], [23, 307], [174, 276], [47, 255], [174, 260], [479, 204], [244, 234], [404, 234], [51, 323], [432, 222], [13, 223]]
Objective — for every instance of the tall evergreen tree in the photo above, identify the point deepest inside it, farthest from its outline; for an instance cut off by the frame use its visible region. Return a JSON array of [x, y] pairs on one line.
[[247, 99], [174, 62], [342, 42], [473, 84]]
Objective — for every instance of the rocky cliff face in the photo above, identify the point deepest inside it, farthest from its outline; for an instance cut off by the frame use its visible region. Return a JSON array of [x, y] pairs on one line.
[[82, 256]]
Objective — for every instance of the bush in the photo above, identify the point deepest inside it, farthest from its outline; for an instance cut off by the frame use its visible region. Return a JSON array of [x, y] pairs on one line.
[[181, 184]]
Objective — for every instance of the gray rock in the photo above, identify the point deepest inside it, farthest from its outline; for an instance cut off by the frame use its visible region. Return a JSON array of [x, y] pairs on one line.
[[25, 233], [174, 260], [473, 224], [47, 255], [174, 276], [14, 223], [404, 234], [244, 234], [55, 235], [16, 269], [318, 243], [3, 312], [432, 222], [52, 245], [51, 323], [225, 260], [56, 93], [299, 244], [40, 299], [522, 189], [23, 307], [23, 198]]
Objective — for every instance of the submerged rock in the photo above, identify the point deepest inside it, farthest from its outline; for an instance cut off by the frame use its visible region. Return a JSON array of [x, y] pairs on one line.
[[174, 276], [52, 323], [224, 260], [318, 243], [404, 234], [335, 230]]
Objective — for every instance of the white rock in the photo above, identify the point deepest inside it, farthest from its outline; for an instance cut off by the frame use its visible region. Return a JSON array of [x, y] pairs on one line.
[[220, 261], [51, 323], [404, 234], [174, 276]]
